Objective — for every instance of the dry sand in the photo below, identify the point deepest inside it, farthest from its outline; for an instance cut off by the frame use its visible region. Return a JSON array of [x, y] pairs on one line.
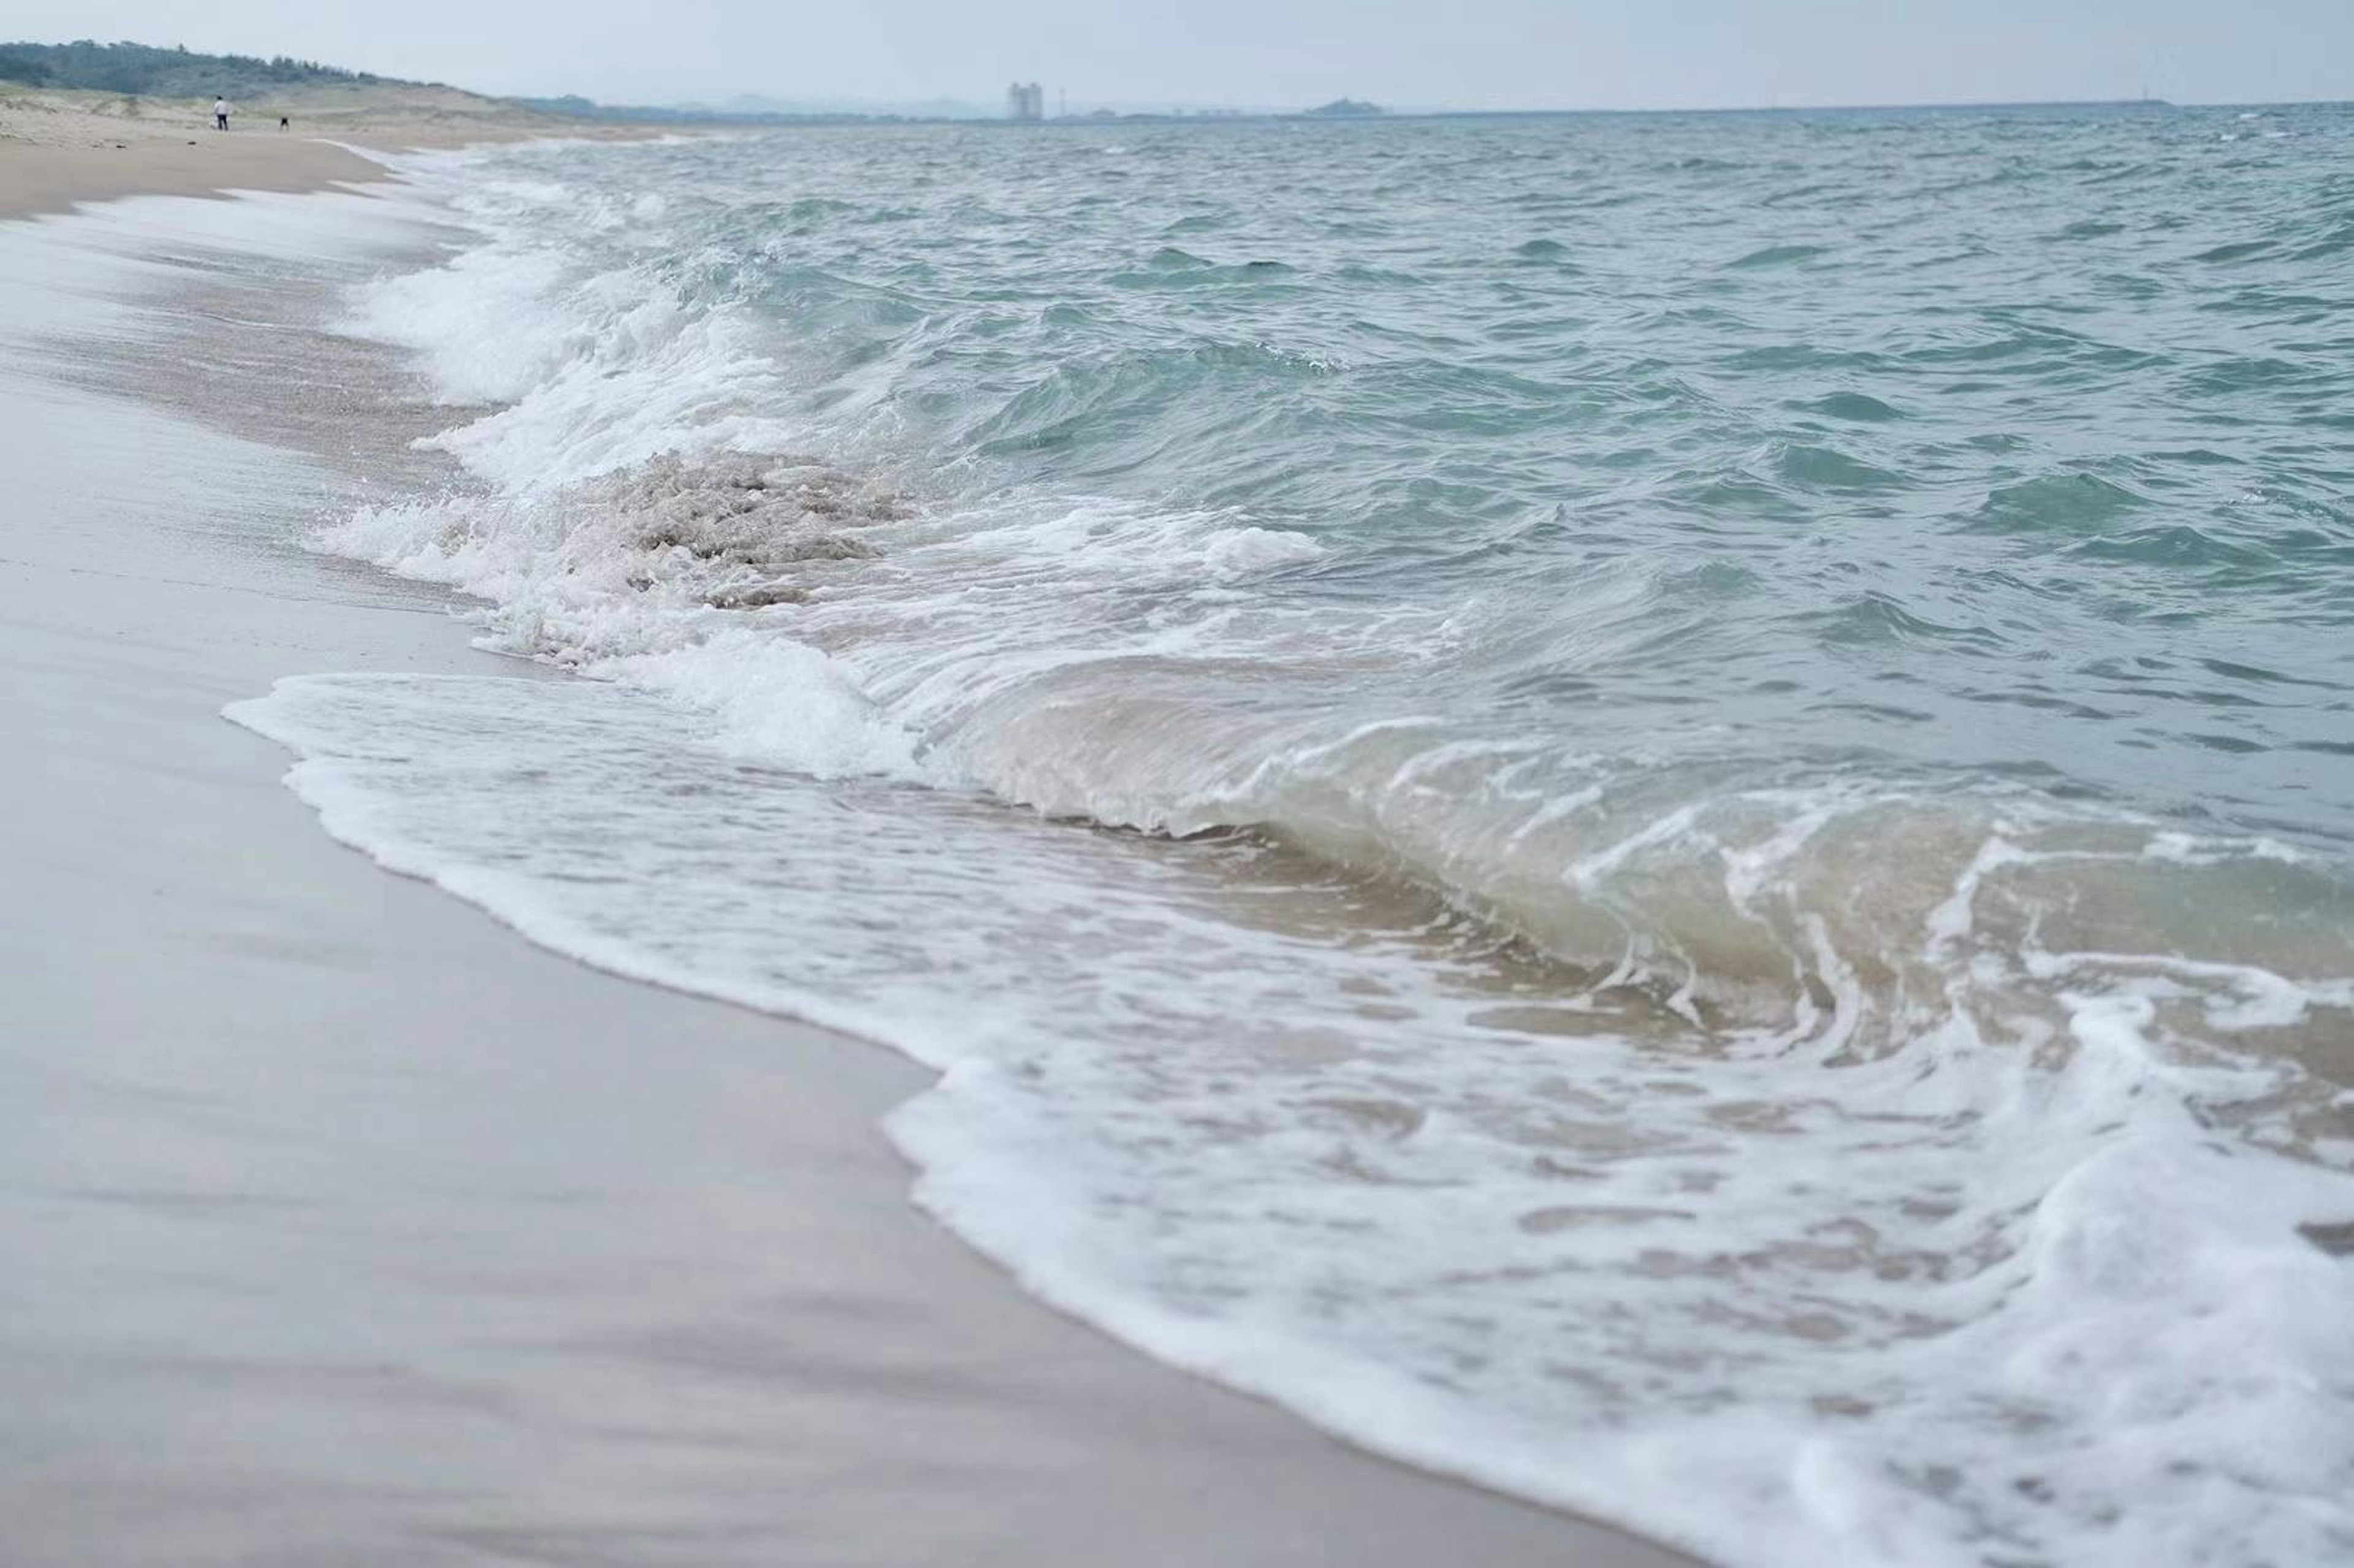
[[340, 1225], [60, 148]]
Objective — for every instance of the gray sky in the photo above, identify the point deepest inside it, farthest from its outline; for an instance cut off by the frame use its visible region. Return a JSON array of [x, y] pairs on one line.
[[1461, 53]]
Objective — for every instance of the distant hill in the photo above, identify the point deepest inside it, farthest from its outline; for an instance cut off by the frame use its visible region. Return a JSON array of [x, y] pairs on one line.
[[143, 70]]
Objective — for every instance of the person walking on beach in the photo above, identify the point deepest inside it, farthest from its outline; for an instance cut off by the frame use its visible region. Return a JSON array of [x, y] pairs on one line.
[[220, 113]]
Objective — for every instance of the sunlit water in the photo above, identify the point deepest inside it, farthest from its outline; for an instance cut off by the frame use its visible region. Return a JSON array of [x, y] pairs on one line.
[[1652, 809]]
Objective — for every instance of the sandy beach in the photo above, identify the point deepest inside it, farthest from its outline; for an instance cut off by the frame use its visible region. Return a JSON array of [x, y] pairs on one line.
[[341, 1223], [58, 148]]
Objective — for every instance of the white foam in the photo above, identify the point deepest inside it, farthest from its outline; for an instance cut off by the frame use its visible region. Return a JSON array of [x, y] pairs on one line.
[[2054, 1288]]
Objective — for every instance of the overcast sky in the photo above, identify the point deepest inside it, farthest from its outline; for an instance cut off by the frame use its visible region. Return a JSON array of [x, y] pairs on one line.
[[1566, 54]]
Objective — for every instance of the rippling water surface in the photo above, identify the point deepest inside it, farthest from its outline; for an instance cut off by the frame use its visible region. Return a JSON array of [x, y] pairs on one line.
[[1655, 809]]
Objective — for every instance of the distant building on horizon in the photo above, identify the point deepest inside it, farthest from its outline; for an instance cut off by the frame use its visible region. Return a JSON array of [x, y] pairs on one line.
[[1025, 102]]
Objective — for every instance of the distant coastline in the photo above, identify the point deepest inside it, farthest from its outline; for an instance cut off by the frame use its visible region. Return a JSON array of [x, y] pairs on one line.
[[137, 71], [578, 108]]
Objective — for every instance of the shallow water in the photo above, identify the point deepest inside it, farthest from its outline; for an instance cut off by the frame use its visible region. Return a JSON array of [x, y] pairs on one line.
[[1654, 808]]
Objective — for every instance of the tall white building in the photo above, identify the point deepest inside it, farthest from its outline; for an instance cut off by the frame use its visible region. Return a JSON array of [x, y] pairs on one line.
[[1025, 102]]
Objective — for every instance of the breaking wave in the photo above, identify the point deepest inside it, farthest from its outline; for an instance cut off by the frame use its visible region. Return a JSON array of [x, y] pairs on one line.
[[1788, 983]]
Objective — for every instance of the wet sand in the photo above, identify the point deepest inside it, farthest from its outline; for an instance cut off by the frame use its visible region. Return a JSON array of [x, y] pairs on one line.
[[51, 179], [339, 1224]]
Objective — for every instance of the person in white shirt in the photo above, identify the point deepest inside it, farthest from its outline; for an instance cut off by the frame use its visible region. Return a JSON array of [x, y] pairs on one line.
[[220, 113]]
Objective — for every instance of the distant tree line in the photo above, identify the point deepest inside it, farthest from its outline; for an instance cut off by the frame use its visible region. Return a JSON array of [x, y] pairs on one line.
[[142, 69]]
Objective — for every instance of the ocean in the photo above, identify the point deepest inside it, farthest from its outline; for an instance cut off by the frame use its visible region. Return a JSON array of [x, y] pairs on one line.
[[1657, 809]]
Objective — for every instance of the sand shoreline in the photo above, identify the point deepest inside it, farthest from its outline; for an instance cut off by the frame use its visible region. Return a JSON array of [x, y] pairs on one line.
[[36, 179], [342, 1224], [58, 150]]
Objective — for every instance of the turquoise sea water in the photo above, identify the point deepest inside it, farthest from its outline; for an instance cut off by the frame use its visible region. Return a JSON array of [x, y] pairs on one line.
[[1658, 808], [2016, 444]]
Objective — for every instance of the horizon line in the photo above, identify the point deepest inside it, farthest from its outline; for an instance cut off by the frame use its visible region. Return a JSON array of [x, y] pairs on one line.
[[1141, 108], [1206, 110]]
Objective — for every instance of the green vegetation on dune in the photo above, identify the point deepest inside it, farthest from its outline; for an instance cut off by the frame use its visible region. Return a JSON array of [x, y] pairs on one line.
[[142, 70]]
